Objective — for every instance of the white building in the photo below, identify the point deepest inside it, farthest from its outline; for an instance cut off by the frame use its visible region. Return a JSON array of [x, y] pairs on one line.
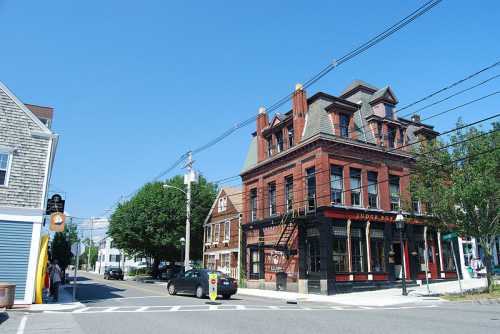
[[110, 256], [469, 248]]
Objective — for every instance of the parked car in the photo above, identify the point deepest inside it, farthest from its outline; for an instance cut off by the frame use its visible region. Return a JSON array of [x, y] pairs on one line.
[[170, 271], [113, 272], [195, 282]]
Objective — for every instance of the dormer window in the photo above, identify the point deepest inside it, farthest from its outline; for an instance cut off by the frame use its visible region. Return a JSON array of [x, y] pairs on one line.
[[222, 204], [389, 111], [391, 137], [269, 141], [279, 141], [344, 125]]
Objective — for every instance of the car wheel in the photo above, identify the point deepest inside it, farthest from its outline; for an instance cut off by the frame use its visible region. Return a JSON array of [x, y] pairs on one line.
[[226, 296], [171, 289], [199, 292]]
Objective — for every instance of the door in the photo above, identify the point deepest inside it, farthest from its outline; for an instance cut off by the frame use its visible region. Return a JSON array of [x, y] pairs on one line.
[[193, 281], [313, 265], [398, 263], [182, 282]]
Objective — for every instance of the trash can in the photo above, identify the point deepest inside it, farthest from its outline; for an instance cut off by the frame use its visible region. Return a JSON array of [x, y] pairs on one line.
[[281, 279], [7, 293]]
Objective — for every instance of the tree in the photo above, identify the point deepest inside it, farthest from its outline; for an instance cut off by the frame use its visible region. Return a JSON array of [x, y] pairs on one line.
[[152, 222], [61, 245], [460, 182], [85, 255]]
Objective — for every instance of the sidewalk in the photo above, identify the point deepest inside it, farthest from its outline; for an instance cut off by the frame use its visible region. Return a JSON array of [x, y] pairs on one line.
[[383, 297], [64, 303]]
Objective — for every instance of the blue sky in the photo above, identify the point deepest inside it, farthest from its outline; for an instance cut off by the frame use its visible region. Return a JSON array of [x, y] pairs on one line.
[[136, 84]]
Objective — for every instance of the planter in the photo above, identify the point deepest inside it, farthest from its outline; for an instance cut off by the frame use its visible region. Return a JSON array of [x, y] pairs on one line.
[[7, 294]]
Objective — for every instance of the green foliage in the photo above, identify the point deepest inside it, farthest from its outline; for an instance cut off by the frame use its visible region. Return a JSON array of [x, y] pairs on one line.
[[152, 222], [85, 255], [61, 245], [461, 182], [139, 272]]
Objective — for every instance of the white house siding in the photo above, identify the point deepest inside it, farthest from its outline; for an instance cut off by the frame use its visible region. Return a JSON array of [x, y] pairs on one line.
[[22, 201]]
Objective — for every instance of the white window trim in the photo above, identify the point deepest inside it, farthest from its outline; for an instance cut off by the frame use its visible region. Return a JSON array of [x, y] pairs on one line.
[[227, 236], [216, 235], [8, 167]]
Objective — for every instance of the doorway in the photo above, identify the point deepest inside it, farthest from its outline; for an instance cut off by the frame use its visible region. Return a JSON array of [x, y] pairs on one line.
[[398, 263], [313, 264]]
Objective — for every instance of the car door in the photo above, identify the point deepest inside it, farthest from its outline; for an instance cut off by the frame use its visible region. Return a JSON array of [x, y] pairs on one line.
[[181, 283], [193, 281]]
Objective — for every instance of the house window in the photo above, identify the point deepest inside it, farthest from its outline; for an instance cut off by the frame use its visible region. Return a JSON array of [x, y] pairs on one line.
[[401, 137], [279, 141], [208, 233], [389, 111], [272, 198], [222, 204], [358, 250], [344, 125], [372, 190], [269, 141], [254, 264], [394, 192], [225, 260], [4, 167], [415, 205], [253, 204], [290, 136], [391, 137], [448, 263], [211, 262], [377, 250], [379, 129], [227, 230], [217, 232], [289, 192], [112, 244], [355, 181], [311, 188], [340, 255], [336, 184]]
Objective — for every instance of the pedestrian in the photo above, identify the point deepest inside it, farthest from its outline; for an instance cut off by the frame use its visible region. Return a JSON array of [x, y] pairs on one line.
[[55, 280]]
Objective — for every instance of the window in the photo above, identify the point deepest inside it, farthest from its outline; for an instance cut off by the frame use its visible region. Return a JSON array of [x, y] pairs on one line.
[[211, 262], [389, 111], [253, 204], [115, 258], [344, 125], [269, 141], [394, 192], [340, 256], [217, 232], [311, 188], [379, 129], [289, 193], [415, 205], [227, 230], [225, 261], [118, 258], [290, 136], [447, 256], [401, 136], [355, 181], [208, 233], [391, 137], [358, 250], [336, 184], [372, 190], [112, 244], [279, 141], [272, 198], [377, 250], [222, 204], [254, 264], [420, 244], [4, 168]]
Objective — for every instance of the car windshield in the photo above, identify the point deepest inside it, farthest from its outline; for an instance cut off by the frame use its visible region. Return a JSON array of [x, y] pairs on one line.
[[114, 269]]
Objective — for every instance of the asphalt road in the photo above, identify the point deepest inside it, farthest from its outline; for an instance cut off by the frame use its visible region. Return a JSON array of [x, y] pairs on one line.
[[129, 307]]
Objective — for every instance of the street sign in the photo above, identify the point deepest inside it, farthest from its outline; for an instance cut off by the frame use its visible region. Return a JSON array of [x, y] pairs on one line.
[[55, 204], [449, 236], [57, 222], [212, 286]]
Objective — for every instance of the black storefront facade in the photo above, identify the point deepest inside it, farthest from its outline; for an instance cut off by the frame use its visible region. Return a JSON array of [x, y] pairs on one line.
[[337, 249]]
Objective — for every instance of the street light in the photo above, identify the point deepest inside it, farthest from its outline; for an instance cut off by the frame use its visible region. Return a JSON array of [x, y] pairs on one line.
[[182, 240], [185, 241], [400, 225]]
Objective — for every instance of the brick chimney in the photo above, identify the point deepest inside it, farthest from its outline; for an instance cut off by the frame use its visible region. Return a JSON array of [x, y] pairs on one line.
[[299, 109], [262, 123]]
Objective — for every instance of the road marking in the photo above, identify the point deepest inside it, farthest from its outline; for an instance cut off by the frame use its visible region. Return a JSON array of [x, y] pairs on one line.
[[174, 309], [240, 307], [22, 325], [80, 310], [213, 307], [142, 309], [273, 307], [111, 309]]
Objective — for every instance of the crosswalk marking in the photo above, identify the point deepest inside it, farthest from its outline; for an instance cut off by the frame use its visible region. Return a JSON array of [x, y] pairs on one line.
[[229, 307]]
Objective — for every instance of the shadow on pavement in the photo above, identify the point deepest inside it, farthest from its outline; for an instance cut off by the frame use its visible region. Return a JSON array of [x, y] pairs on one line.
[[93, 292], [3, 317]]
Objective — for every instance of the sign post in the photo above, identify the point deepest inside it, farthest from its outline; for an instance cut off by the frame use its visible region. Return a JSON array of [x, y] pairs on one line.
[[212, 286]]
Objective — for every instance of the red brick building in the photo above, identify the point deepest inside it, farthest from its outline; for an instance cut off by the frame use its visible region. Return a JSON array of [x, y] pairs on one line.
[[222, 233], [322, 185]]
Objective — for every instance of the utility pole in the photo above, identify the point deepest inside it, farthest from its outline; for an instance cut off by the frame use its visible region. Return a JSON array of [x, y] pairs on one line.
[[189, 176], [90, 242]]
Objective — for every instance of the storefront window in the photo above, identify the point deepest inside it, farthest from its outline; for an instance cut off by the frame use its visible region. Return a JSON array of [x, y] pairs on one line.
[[377, 251], [340, 255], [447, 257], [358, 250]]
